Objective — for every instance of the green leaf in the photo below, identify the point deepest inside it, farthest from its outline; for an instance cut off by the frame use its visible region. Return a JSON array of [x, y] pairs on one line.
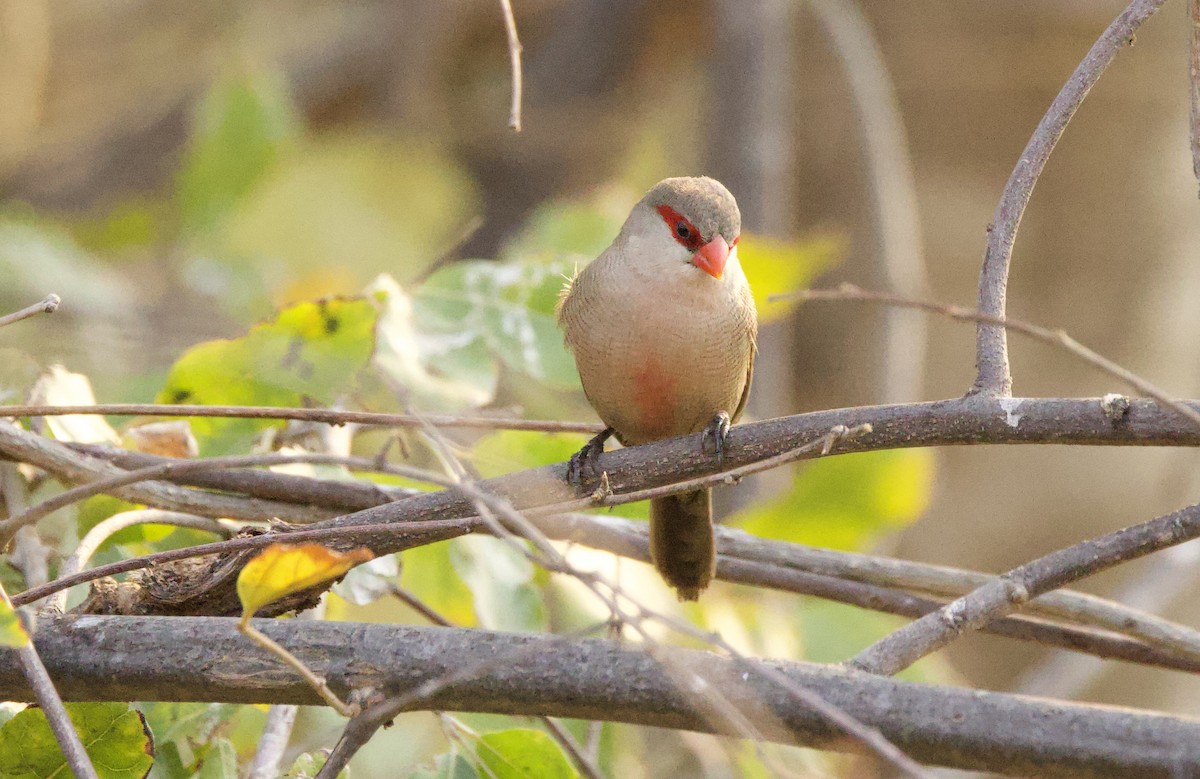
[[116, 739], [510, 306], [427, 572], [774, 266], [220, 762], [12, 632], [446, 371], [847, 501], [522, 753], [308, 351], [239, 130], [501, 581]]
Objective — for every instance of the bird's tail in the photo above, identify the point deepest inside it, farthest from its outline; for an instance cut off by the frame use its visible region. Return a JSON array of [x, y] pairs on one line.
[[681, 541]]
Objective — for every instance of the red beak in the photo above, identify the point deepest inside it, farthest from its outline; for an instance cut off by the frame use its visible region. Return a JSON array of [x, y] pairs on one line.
[[712, 256]]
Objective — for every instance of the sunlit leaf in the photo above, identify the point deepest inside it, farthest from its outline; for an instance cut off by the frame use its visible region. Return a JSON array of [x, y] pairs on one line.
[[501, 581], [238, 132], [116, 739], [510, 306], [441, 371], [774, 266], [523, 753], [12, 632], [846, 502], [308, 351], [283, 569], [60, 387]]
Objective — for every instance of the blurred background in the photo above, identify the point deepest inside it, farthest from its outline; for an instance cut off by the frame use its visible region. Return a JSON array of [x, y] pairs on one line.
[[178, 171]]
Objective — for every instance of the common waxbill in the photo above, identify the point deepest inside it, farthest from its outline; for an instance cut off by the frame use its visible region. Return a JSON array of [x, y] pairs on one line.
[[662, 326]]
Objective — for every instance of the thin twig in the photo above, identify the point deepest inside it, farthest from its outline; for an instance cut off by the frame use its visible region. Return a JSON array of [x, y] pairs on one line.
[[324, 415], [1010, 591], [51, 703], [1058, 338], [514, 59], [178, 467], [297, 665], [47, 306], [994, 376]]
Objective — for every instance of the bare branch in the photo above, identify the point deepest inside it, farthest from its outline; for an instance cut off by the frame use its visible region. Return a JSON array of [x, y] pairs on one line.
[[323, 415], [60, 460], [137, 658], [514, 59], [1009, 592], [991, 357], [47, 306], [1057, 338]]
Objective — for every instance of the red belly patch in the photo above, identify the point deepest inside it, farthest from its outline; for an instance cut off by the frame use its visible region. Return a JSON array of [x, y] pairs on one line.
[[654, 395]]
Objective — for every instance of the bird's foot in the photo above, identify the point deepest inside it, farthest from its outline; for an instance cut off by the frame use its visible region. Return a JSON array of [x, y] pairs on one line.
[[583, 463], [716, 433]]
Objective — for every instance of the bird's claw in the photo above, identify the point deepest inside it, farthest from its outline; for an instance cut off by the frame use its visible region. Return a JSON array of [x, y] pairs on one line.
[[716, 433], [582, 464]]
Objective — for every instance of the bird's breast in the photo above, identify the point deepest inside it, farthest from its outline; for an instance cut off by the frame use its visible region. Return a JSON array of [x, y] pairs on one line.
[[657, 362]]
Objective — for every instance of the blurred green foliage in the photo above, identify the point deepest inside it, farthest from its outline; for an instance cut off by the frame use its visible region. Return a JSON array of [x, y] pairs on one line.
[[848, 501], [116, 739]]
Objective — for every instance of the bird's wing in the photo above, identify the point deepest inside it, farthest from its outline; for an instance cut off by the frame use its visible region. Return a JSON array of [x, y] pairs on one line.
[[741, 406]]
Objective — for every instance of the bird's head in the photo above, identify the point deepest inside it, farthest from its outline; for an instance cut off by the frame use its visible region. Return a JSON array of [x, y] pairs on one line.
[[686, 221]]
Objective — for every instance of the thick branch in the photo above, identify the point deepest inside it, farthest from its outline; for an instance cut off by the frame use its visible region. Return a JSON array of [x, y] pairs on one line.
[[991, 340], [205, 659]]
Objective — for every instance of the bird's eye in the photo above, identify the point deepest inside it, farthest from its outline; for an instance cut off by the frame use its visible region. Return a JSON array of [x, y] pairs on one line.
[[681, 229]]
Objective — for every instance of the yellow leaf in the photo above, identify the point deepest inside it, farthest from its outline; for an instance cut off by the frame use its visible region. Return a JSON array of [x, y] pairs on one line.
[[775, 266], [12, 633], [283, 569]]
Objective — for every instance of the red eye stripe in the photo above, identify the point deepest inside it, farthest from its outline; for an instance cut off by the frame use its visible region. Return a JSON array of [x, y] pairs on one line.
[[676, 220]]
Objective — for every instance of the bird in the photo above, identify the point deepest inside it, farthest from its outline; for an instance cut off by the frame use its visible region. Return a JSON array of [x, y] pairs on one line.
[[663, 329]]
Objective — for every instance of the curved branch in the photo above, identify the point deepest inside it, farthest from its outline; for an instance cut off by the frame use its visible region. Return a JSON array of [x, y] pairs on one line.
[[991, 346], [148, 658]]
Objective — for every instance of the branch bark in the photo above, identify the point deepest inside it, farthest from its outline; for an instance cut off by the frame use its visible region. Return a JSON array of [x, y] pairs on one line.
[[148, 658], [991, 355]]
